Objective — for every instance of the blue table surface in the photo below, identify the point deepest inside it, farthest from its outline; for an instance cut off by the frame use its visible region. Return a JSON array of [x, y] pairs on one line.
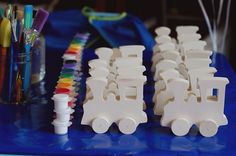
[[27, 129]]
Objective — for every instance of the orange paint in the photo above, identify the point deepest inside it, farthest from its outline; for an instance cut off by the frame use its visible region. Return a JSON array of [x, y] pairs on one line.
[[64, 85]]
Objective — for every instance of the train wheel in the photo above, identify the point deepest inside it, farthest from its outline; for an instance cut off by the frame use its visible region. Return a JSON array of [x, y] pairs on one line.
[[100, 125], [180, 127], [127, 125], [208, 128]]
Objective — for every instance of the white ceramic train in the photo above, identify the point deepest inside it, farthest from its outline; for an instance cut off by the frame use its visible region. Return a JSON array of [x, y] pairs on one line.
[[115, 90], [186, 91]]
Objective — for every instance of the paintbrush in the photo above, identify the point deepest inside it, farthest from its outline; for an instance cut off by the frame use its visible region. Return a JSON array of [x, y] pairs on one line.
[[28, 15], [38, 23], [5, 41]]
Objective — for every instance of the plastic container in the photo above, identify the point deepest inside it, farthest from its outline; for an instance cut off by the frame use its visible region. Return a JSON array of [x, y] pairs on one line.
[[64, 115], [38, 60], [70, 66], [61, 127], [62, 91], [69, 57], [67, 75], [16, 81], [66, 80], [22, 71], [64, 85], [60, 102]]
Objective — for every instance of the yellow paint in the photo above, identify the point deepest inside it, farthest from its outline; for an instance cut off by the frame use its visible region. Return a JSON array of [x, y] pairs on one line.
[[66, 80]]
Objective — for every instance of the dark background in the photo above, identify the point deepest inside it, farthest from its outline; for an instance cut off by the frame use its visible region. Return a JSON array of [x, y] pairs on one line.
[[154, 13]]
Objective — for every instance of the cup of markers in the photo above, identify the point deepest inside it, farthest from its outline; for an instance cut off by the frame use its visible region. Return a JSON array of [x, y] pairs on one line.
[[67, 88], [19, 30]]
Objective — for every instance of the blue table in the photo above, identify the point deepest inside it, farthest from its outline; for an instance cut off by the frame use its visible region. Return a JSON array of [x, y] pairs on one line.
[[27, 129]]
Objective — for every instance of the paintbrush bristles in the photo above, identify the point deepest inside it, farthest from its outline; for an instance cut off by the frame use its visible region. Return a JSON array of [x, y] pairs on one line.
[[20, 14]]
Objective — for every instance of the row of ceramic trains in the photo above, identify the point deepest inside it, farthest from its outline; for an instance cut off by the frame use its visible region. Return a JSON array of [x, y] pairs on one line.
[[115, 95]]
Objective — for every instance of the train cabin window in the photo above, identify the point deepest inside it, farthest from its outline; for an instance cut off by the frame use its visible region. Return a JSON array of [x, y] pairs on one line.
[[131, 93], [213, 96], [132, 55]]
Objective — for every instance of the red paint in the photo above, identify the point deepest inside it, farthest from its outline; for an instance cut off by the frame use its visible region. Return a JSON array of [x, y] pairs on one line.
[[71, 52], [70, 103], [62, 91]]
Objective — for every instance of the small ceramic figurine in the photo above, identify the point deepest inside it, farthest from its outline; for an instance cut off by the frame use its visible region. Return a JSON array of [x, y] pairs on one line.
[[115, 90], [186, 91]]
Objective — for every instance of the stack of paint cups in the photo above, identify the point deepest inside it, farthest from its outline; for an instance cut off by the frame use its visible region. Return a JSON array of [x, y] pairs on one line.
[[63, 112], [68, 83]]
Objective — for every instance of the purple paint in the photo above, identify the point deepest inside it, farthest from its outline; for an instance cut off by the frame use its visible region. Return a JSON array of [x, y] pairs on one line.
[[70, 66]]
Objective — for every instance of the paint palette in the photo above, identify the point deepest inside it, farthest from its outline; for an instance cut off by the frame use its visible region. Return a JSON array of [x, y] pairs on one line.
[[65, 94]]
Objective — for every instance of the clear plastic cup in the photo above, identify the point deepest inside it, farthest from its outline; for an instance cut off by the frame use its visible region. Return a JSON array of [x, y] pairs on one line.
[[38, 60]]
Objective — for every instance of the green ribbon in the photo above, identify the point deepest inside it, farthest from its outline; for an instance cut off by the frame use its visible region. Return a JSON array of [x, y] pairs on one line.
[[93, 15]]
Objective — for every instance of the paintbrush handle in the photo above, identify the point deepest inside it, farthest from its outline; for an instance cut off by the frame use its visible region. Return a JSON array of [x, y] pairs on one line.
[[3, 54]]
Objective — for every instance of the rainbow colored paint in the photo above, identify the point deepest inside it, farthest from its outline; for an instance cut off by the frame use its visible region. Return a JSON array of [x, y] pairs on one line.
[[68, 80], [65, 94]]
